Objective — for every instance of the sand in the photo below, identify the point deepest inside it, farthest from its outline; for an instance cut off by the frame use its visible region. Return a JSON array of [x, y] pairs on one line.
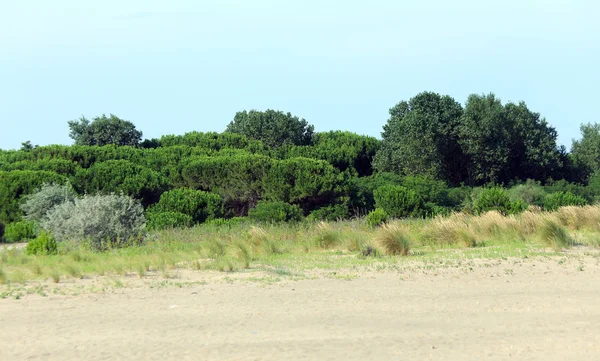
[[527, 310]]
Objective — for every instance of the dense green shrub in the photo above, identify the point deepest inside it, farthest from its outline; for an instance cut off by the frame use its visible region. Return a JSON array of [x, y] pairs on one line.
[[377, 217], [166, 220], [330, 213], [121, 176], [309, 183], [44, 244], [495, 199], [428, 188], [222, 222], [238, 178], [530, 192], [98, 219], [19, 232], [275, 211], [199, 205], [561, 199], [2, 227], [37, 205], [399, 202]]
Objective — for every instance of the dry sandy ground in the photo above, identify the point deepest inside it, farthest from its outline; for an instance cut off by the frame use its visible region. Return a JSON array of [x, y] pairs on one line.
[[532, 310]]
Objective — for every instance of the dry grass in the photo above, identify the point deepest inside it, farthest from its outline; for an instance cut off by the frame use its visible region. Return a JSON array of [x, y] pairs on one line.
[[554, 235], [393, 239]]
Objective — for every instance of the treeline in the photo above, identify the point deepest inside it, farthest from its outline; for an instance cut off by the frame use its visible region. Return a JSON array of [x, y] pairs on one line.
[[435, 156]]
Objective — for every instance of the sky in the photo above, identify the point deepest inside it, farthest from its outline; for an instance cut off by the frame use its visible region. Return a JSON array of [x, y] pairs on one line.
[[176, 66]]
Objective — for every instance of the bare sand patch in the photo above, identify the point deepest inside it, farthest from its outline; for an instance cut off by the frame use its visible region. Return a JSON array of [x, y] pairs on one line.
[[534, 309]]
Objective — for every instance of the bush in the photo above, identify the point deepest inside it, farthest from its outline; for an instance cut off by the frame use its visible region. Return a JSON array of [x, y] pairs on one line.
[[199, 205], [377, 217], [398, 201], [165, 220], [44, 244], [330, 213], [273, 212], [37, 205], [496, 199], [98, 219], [562, 199], [2, 227], [220, 222], [19, 231], [530, 192]]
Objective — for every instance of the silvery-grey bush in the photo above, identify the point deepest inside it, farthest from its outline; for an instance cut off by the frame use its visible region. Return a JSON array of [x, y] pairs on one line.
[[37, 205], [97, 219]]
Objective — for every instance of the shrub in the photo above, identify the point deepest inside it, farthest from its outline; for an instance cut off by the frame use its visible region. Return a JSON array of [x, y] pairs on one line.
[[44, 244], [330, 213], [37, 205], [530, 192], [221, 222], [398, 201], [19, 231], [377, 217], [199, 205], [561, 199], [496, 199], [393, 240], [165, 220], [2, 227], [99, 219], [273, 212]]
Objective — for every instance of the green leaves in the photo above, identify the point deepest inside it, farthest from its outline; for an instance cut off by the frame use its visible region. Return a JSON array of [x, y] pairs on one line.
[[104, 130], [273, 128]]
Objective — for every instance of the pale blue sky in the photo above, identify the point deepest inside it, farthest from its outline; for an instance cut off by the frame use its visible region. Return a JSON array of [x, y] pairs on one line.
[[177, 66]]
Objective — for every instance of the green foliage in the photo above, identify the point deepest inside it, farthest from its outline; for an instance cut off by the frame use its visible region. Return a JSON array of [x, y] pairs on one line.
[[308, 183], [586, 151], [16, 184], [420, 138], [238, 178], [104, 130], [399, 202], [377, 217], [213, 141], [19, 232], [198, 205], [121, 176], [43, 245], [343, 150], [102, 220], [562, 199], [330, 213], [494, 199], [37, 205], [2, 229], [274, 212], [429, 189], [530, 192], [273, 128], [507, 142], [222, 222], [166, 220]]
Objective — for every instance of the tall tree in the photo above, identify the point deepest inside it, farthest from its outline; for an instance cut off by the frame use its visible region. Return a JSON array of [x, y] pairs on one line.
[[274, 128], [104, 130], [585, 152], [420, 138]]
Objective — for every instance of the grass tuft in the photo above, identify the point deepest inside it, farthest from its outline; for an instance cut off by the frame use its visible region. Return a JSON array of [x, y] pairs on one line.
[[554, 235], [393, 240]]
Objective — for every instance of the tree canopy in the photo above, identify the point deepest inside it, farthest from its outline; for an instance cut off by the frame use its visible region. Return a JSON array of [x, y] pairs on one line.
[[104, 130], [274, 128]]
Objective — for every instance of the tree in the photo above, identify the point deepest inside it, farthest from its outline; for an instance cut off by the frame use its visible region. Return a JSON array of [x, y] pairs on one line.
[[586, 151], [274, 128], [104, 130], [420, 138], [506, 143]]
